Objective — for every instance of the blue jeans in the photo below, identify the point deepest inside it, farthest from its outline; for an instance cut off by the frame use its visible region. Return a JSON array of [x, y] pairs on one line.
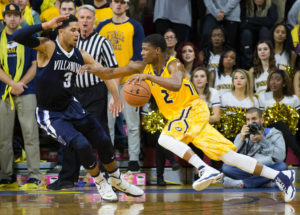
[[249, 180]]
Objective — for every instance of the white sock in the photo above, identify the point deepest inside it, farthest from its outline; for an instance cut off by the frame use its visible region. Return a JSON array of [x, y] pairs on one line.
[[115, 174], [268, 172], [196, 161]]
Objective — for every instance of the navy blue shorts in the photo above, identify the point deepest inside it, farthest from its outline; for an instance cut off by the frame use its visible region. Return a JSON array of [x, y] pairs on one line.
[[66, 125]]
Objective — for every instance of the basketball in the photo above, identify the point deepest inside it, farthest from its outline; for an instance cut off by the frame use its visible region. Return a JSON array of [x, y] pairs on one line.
[[137, 94]]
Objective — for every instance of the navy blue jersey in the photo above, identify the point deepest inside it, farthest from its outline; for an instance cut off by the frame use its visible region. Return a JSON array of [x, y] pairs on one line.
[[55, 80]]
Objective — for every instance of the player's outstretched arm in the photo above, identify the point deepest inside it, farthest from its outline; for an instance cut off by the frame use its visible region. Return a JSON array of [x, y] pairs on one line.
[[110, 73], [25, 36], [173, 83]]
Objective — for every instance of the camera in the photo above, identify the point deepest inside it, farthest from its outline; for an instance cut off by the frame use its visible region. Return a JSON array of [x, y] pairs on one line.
[[254, 128]]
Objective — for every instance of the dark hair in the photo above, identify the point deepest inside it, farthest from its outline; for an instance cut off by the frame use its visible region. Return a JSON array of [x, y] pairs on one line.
[[254, 110], [196, 62], [221, 65], [156, 40], [257, 65], [67, 1], [66, 22], [170, 30], [208, 47], [288, 43], [287, 89]]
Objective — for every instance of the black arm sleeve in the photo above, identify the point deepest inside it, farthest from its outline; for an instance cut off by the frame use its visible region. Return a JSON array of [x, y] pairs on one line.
[[24, 35]]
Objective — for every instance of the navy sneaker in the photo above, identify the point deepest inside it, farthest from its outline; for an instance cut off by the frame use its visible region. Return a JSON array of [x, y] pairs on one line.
[[285, 182]]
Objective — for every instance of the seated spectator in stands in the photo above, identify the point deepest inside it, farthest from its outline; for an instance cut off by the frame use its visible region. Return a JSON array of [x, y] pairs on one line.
[[51, 12], [216, 44], [241, 96], [258, 17], [29, 16], [175, 14], [67, 7], [222, 12], [294, 14], [263, 64], [266, 145], [187, 53], [211, 96], [296, 38], [279, 89], [221, 79], [283, 46], [171, 41]]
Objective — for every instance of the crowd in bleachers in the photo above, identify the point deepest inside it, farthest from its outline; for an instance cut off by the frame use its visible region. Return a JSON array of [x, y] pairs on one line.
[[237, 53]]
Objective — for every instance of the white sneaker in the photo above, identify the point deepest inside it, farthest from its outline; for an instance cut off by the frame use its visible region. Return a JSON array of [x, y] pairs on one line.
[[123, 186], [285, 182], [207, 175], [106, 192]]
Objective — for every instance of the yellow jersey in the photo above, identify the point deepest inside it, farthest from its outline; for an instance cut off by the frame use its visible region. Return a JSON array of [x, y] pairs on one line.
[[170, 103], [49, 14]]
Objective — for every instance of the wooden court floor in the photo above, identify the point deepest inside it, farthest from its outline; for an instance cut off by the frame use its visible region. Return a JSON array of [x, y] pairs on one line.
[[171, 200]]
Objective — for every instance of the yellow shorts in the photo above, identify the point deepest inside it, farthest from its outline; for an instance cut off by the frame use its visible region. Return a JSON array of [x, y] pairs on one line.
[[191, 126]]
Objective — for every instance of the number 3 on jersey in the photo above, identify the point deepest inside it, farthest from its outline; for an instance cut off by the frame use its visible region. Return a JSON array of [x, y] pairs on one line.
[[68, 78]]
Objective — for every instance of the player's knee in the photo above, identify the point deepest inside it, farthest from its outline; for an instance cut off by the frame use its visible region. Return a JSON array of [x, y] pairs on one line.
[[162, 140]]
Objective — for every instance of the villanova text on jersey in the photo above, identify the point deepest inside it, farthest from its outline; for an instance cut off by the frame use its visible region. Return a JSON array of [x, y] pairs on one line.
[[55, 80]]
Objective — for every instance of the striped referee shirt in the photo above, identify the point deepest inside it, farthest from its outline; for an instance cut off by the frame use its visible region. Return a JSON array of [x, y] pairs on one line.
[[100, 49]]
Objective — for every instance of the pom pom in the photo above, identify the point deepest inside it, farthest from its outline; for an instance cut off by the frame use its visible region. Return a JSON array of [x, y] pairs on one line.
[[154, 122]]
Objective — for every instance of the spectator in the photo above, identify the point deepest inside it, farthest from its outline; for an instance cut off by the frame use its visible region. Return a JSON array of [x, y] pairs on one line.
[[187, 53], [225, 13], [200, 79], [297, 83], [241, 95], [171, 41], [279, 89], [103, 11], [296, 39], [283, 46], [221, 79], [41, 5], [258, 17], [210, 55], [294, 14], [29, 16], [17, 89], [175, 14], [266, 145], [67, 7], [126, 36], [90, 91], [51, 12], [263, 64]]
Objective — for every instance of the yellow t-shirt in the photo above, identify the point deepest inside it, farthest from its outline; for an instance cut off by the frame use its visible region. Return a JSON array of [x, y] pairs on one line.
[[126, 40], [49, 14], [169, 102], [103, 14]]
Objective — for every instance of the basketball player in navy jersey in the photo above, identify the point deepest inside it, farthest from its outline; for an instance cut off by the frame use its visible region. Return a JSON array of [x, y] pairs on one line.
[[60, 114]]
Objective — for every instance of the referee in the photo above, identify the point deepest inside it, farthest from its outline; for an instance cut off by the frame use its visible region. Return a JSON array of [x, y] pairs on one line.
[[90, 91]]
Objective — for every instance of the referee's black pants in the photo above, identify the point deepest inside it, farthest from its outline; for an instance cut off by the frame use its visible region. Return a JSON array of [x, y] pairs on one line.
[[94, 100]]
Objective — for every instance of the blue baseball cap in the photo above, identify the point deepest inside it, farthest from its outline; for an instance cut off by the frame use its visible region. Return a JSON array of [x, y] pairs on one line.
[[12, 8]]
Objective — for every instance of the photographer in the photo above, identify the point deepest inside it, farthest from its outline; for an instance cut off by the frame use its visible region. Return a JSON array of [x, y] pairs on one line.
[[266, 145]]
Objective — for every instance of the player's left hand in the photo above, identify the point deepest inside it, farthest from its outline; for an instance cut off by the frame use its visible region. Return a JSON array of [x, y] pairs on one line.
[[137, 78], [115, 106]]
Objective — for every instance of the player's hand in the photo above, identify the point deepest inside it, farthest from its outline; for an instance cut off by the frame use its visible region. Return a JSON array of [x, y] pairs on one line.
[[18, 88], [89, 68], [138, 78], [115, 106], [55, 22]]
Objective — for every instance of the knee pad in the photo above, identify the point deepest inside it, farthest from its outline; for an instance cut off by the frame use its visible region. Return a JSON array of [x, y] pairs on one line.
[[177, 147]]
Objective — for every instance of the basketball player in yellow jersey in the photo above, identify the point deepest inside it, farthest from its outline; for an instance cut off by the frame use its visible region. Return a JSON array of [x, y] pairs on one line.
[[188, 117]]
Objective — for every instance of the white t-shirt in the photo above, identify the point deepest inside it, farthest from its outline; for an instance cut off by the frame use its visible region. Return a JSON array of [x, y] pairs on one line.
[[223, 83], [260, 83], [266, 100], [214, 99], [282, 59], [213, 62], [230, 101]]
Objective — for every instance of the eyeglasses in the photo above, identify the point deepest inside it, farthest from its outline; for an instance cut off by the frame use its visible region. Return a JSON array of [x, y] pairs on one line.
[[169, 37]]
